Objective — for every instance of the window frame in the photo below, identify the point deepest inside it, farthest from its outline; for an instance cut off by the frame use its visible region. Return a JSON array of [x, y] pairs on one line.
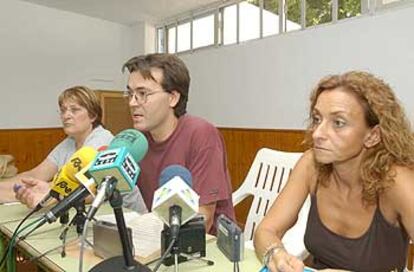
[[368, 7]]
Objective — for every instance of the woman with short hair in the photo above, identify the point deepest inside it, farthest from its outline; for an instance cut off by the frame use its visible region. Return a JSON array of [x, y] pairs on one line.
[[81, 116]]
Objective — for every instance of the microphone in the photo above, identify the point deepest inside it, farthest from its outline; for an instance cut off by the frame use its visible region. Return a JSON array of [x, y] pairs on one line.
[[116, 163], [117, 166], [85, 178], [116, 170], [102, 148], [64, 182], [74, 193], [175, 202], [65, 204]]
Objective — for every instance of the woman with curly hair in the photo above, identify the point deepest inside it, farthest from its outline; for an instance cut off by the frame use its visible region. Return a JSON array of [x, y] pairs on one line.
[[359, 172]]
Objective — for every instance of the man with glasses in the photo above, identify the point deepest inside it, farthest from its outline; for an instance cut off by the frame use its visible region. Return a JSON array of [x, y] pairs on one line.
[[157, 93]]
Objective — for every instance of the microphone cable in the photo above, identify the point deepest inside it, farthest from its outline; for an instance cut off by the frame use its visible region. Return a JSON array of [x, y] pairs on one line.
[[3, 258], [157, 266], [34, 258], [13, 241]]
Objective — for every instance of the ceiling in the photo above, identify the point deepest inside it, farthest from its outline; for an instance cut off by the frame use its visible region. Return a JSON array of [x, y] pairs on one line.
[[128, 11]]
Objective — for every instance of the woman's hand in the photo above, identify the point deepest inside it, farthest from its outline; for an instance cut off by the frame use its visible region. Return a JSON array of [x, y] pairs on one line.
[[284, 262], [32, 191]]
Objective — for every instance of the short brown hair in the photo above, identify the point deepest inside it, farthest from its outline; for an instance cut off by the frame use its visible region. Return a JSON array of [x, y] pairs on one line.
[[175, 75], [381, 108], [86, 98]]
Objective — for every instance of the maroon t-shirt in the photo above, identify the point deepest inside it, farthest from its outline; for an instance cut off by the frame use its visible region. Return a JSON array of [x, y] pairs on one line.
[[198, 146]]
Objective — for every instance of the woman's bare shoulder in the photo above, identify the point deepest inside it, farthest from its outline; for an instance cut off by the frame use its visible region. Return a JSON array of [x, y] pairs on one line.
[[305, 169], [401, 190], [403, 177]]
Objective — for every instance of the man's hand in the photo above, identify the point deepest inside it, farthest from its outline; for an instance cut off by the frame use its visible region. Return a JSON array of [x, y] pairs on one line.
[[32, 191]]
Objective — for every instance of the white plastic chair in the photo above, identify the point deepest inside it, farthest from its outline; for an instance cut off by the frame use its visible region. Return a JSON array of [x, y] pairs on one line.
[[267, 176]]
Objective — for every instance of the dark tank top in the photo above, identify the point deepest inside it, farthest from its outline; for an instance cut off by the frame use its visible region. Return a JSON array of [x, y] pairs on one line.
[[382, 247]]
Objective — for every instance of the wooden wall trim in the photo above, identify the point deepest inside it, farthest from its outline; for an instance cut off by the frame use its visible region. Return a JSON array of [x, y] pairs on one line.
[[242, 145], [31, 146], [261, 130]]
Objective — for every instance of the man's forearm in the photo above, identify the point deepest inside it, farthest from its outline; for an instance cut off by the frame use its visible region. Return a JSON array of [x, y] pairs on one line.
[[208, 212]]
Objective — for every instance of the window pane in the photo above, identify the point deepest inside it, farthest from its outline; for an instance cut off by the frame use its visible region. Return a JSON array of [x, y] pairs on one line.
[[183, 37], [203, 31], [160, 40], [348, 8], [249, 21], [270, 17], [293, 15], [318, 12], [171, 39], [230, 24], [385, 2]]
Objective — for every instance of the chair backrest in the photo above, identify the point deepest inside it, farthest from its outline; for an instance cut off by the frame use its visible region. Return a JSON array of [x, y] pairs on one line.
[[267, 176]]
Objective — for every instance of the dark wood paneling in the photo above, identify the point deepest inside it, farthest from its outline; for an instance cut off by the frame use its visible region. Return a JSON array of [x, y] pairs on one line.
[[115, 109], [242, 146], [29, 146]]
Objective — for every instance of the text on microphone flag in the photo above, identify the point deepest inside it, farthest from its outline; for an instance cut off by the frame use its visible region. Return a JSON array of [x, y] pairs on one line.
[[117, 163]]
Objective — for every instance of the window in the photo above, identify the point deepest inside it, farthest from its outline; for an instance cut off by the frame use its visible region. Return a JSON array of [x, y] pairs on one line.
[[249, 21], [230, 24], [386, 2], [270, 17], [203, 31], [171, 39], [318, 12], [293, 18], [160, 40], [227, 24], [348, 8], [183, 37]]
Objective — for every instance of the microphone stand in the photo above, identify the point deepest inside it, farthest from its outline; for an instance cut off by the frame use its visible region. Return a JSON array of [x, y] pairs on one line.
[[180, 239], [180, 256], [78, 220], [127, 261], [80, 217]]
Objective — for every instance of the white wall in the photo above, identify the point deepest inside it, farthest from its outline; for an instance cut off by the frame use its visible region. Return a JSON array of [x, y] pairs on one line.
[[43, 51], [263, 83], [266, 83], [143, 38]]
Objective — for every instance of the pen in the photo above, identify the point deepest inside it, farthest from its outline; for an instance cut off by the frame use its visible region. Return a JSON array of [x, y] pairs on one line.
[[264, 269], [16, 187]]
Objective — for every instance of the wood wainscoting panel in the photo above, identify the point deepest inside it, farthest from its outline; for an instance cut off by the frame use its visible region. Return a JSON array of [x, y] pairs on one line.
[[242, 146], [115, 111], [29, 146]]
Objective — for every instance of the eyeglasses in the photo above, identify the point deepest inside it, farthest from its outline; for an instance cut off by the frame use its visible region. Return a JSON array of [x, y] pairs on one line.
[[71, 110], [140, 95]]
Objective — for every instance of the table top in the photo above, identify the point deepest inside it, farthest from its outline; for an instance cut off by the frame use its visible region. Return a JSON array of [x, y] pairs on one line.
[[46, 238]]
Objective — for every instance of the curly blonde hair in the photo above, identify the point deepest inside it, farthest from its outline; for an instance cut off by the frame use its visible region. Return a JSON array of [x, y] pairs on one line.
[[382, 109]]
